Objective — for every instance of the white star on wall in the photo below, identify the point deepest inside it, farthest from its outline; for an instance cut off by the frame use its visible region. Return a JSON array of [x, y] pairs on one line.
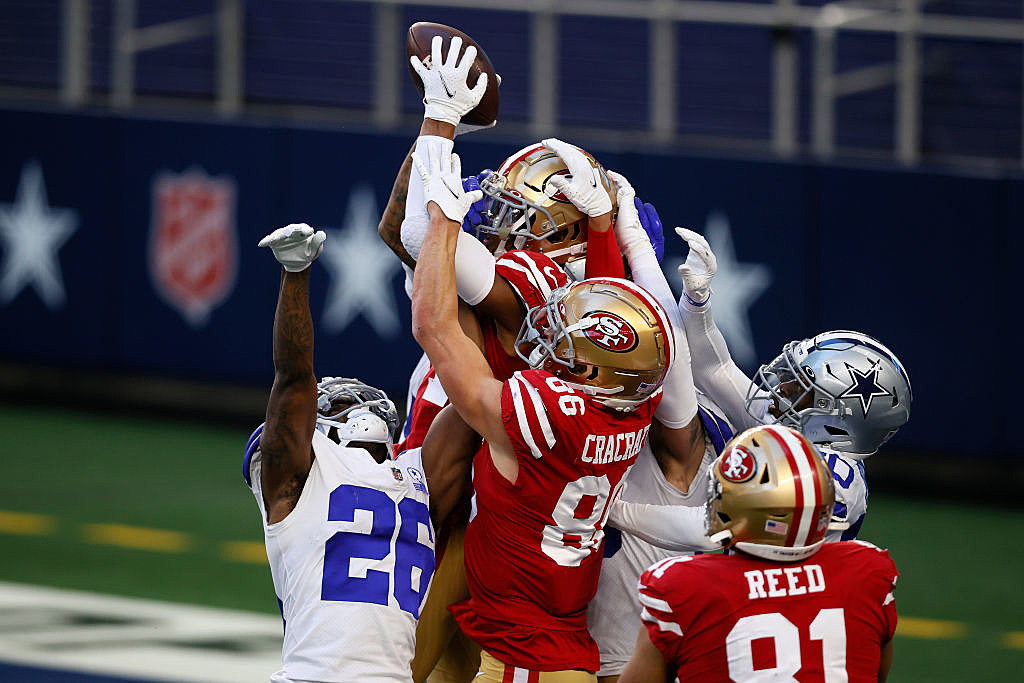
[[735, 289], [31, 232], [362, 270]]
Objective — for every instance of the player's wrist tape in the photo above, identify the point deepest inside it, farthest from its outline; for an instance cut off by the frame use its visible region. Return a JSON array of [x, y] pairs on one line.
[[696, 304]]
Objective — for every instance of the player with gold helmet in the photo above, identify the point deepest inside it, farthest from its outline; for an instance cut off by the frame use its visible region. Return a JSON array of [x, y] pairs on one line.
[[606, 337], [555, 437], [825, 611]]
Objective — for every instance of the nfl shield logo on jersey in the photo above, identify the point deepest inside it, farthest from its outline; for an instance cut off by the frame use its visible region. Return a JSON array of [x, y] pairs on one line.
[[397, 473], [192, 242]]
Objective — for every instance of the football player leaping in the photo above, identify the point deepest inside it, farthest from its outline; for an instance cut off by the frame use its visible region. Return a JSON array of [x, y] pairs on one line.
[[785, 605], [500, 291], [559, 441], [349, 529], [843, 390]]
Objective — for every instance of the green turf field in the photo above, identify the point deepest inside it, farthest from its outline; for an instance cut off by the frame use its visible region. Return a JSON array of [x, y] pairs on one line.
[[158, 509]]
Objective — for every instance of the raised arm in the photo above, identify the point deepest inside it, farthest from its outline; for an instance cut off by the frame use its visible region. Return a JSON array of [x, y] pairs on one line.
[[458, 362], [390, 227], [714, 371], [586, 190], [286, 442], [679, 433], [447, 453]]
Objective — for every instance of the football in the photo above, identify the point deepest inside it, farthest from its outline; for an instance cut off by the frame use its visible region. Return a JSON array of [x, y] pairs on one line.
[[417, 42]]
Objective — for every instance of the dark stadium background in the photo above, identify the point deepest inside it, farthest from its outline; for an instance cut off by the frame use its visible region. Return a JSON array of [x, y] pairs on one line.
[[123, 411]]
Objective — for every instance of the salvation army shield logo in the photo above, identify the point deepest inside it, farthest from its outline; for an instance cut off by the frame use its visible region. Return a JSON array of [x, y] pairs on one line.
[[611, 332], [193, 242]]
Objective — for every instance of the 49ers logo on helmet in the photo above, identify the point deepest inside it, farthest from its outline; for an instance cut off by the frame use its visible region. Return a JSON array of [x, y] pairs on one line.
[[738, 465], [611, 332]]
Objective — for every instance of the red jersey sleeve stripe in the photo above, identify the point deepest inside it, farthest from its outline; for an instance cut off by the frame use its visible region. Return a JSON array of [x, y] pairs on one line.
[[515, 386]]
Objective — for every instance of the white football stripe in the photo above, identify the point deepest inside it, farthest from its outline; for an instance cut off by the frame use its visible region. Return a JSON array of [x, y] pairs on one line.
[[524, 425], [540, 411], [538, 277], [507, 262], [669, 626], [655, 603], [807, 475]]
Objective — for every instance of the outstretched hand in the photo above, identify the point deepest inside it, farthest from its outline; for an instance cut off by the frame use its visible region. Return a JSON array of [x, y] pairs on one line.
[[635, 221], [442, 182], [584, 188], [295, 246], [700, 267], [446, 94]]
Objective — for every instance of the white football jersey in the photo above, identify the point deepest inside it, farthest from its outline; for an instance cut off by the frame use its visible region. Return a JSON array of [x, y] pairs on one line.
[[613, 616], [351, 564], [851, 494]]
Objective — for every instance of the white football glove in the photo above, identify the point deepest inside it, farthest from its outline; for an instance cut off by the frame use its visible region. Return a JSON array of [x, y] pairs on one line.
[[464, 128], [295, 246], [700, 267], [442, 181], [629, 232], [446, 95], [585, 189]]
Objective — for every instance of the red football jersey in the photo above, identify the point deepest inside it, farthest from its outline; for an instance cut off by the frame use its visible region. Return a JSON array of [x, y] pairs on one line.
[[532, 277], [533, 549], [739, 618]]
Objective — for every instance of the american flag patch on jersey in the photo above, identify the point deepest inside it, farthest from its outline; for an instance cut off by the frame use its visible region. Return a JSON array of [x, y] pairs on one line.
[[775, 527]]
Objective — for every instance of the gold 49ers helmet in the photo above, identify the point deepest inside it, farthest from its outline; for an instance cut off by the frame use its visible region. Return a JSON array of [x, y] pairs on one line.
[[605, 336], [771, 495], [524, 211]]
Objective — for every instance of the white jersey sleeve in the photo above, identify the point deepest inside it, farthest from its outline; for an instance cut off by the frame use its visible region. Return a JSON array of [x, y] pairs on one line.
[[351, 564], [851, 496], [715, 374]]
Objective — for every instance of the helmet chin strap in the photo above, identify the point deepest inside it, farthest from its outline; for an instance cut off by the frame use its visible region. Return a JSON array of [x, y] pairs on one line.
[[722, 538]]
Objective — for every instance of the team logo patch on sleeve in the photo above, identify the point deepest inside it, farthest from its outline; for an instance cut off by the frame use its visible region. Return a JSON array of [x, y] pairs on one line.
[[417, 479], [739, 465], [612, 332]]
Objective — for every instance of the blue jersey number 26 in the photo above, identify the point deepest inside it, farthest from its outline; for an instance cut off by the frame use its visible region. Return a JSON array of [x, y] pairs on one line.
[[345, 546]]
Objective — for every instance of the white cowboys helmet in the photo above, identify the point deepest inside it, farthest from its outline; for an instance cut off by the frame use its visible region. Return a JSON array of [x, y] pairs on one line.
[[842, 390], [350, 410]]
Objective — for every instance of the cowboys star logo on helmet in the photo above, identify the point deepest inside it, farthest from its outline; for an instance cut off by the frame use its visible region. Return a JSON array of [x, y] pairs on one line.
[[864, 386], [817, 386]]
